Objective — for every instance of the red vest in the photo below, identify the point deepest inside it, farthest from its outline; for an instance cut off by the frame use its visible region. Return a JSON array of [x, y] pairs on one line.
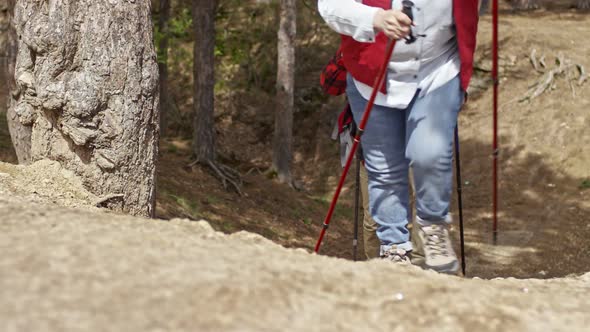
[[362, 60]]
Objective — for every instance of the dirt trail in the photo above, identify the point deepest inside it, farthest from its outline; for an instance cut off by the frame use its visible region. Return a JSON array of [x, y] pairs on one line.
[[66, 269], [544, 152]]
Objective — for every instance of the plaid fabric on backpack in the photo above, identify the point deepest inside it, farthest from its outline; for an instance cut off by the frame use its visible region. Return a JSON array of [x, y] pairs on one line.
[[333, 77]]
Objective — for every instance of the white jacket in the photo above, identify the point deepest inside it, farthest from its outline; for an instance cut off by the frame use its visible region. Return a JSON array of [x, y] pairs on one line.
[[425, 65]]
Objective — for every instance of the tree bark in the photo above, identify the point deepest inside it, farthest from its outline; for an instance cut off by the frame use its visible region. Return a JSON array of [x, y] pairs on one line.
[[283, 134], [204, 148], [87, 79], [204, 80], [6, 45], [583, 4], [525, 4], [164, 17], [20, 129]]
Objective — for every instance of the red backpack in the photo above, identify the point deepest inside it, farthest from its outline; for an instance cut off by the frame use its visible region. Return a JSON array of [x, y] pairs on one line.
[[333, 77]]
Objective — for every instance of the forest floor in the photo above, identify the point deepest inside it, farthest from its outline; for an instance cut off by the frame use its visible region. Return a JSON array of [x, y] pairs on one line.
[[544, 179]]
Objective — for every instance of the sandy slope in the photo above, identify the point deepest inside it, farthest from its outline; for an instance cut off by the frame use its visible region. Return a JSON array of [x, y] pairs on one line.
[[65, 269]]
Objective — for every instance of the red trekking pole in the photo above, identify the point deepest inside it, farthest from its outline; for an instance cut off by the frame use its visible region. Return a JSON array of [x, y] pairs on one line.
[[378, 83]]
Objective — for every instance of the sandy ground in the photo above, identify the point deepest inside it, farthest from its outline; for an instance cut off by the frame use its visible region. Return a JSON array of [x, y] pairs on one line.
[[67, 269]]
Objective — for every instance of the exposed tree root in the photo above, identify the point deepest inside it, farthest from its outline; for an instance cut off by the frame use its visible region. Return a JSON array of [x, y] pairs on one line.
[[583, 5], [255, 169], [571, 82], [537, 63], [542, 61], [548, 80], [583, 74], [229, 177]]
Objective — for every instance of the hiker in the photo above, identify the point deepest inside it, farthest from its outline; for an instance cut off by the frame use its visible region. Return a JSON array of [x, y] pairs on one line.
[[415, 113]]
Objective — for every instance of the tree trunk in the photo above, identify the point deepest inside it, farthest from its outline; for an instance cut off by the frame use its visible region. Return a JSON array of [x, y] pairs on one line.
[[283, 134], [525, 4], [583, 4], [20, 132], [6, 45], [87, 75], [204, 77], [164, 17]]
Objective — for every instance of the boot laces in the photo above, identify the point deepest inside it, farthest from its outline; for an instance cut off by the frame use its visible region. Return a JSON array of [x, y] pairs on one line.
[[436, 241], [396, 255]]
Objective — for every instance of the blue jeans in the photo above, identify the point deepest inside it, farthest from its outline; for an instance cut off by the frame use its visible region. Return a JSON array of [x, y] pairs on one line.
[[421, 137]]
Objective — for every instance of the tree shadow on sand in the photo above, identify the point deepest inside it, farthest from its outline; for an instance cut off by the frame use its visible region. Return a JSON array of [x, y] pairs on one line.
[[543, 216]]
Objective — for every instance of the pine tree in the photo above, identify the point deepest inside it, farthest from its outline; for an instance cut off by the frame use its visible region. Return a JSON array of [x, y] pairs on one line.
[[204, 148], [283, 134]]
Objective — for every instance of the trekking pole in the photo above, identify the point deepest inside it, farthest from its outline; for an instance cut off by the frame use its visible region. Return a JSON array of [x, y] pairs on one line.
[[357, 138], [459, 198], [495, 139], [355, 240]]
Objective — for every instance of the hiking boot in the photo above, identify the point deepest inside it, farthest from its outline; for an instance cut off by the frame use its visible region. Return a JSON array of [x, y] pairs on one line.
[[433, 249], [395, 254]]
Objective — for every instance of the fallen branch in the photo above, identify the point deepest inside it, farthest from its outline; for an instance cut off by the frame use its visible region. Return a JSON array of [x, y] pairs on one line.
[[105, 199]]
